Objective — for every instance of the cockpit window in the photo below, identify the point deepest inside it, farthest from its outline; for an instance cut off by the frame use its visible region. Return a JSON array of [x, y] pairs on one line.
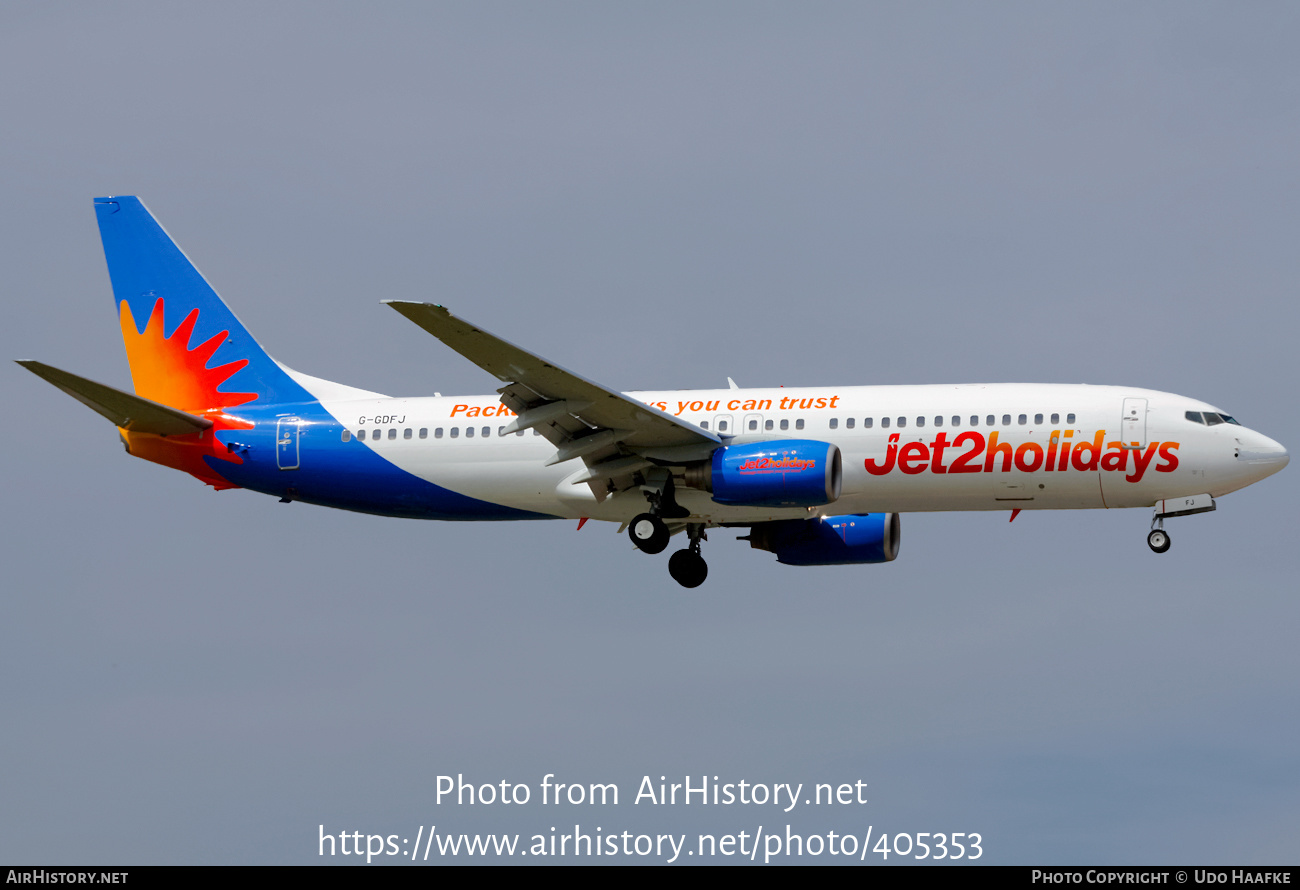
[[1210, 418]]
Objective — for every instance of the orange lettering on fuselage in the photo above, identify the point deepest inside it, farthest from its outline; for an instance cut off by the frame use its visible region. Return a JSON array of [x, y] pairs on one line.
[[497, 410]]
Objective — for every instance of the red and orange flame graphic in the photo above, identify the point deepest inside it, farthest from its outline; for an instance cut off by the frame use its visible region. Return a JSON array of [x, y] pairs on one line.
[[166, 370]]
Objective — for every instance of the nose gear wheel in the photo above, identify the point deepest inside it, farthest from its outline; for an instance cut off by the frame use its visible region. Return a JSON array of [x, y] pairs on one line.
[[1158, 540]]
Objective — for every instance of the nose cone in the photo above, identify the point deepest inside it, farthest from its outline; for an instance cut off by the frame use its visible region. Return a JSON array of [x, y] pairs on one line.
[[1261, 456]]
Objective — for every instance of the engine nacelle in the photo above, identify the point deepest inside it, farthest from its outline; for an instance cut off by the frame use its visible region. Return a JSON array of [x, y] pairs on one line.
[[831, 540], [778, 473]]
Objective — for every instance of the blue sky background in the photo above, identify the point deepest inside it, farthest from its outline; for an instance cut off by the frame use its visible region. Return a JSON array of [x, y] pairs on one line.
[[658, 196]]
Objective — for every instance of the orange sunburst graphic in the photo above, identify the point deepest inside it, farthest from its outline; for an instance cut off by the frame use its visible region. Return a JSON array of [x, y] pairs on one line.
[[166, 370]]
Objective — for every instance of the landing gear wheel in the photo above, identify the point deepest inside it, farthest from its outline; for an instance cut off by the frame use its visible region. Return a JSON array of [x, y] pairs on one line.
[[688, 568], [648, 533], [1158, 540]]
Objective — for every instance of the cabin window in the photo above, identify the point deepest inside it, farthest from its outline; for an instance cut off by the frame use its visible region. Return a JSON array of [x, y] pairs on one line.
[[1069, 418], [437, 433], [485, 432], [1038, 419], [867, 423], [835, 423], [347, 435], [956, 420], [902, 422], [722, 426], [424, 432], [1022, 419], [1056, 418], [798, 424], [990, 420], [536, 431], [767, 424], [455, 431], [785, 424], [753, 426], [884, 423], [392, 434], [704, 424], [920, 422], [406, 433], [938, 421], [848, 424], [1006, 420], [520, 432], [469, 432]]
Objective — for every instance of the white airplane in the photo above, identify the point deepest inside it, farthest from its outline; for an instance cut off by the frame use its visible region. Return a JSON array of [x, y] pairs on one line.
[[819, 475]]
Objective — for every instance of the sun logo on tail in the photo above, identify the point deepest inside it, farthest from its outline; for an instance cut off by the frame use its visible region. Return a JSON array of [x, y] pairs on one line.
[[165, 369]]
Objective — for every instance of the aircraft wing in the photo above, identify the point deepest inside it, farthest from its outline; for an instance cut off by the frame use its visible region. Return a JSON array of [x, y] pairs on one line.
[[128, 411], [614, 434]]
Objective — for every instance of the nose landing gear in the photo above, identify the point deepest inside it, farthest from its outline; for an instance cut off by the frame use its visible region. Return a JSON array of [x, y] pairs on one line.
[[688, 567], [1158, 538]]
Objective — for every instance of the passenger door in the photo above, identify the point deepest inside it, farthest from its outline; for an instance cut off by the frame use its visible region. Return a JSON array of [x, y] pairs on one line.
[[1133, 424], [286, 442]]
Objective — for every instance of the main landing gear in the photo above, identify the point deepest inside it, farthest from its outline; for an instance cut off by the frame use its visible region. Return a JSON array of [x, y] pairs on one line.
[[650, 533], [687, 567]]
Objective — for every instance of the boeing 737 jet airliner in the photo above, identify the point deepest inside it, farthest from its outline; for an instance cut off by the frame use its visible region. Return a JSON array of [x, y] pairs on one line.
[[817, 475]]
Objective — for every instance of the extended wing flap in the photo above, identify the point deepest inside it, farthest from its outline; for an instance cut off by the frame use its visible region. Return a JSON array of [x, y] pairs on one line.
[[599, 408], [128, 411]]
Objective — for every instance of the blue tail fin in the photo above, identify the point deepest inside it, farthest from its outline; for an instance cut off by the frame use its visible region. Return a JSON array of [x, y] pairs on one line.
[[175, 326]]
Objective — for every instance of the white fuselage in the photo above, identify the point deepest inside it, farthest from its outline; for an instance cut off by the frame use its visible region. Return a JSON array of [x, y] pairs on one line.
[[904, 448]]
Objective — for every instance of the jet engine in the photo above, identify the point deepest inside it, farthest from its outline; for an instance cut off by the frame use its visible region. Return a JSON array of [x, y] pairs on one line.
[[853, 539], [778, 473]]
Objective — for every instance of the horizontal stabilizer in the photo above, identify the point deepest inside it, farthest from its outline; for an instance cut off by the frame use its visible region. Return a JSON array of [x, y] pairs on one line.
[[130, 412]]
